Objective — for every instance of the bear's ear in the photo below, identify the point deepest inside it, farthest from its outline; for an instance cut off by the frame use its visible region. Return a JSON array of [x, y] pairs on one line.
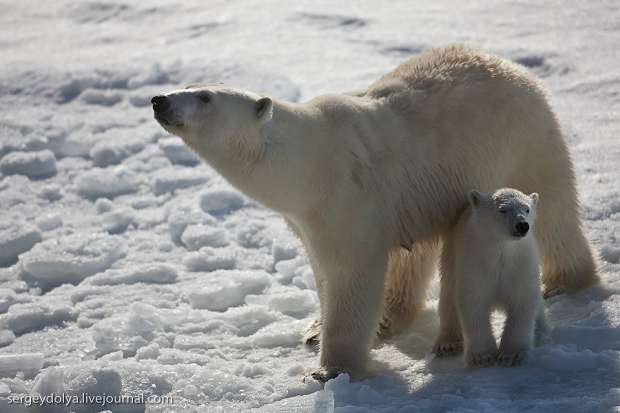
[[263, 109], [476, 197], [534, 197]]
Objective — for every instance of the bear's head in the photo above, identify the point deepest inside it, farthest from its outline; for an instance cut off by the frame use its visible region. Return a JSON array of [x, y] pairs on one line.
[[236, 132], [216, 121], [507, 214]]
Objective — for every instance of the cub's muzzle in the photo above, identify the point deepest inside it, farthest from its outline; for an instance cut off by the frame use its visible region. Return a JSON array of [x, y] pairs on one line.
[[521, 229]]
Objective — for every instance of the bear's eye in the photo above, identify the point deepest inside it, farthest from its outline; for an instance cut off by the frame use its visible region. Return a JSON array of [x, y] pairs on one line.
[[527, 210], [204, 97], [503, 211]]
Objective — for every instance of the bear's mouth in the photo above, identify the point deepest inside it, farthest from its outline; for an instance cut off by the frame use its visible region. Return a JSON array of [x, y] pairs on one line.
[[166, 120], [518, 235]]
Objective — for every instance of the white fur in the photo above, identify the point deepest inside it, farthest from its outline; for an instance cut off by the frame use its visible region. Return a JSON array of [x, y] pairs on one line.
[[360, 176], [493, 268]]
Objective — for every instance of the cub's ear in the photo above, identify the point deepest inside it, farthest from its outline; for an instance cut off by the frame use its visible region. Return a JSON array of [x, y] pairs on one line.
[[476, 197], [263, 108], [534, 197]]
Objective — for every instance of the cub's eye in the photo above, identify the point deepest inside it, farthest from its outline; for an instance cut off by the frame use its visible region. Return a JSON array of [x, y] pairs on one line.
[[502, 211], [204, 98], [527, 210]]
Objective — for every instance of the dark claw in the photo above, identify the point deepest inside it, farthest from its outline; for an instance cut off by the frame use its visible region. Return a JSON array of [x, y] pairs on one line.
[[325, 374]]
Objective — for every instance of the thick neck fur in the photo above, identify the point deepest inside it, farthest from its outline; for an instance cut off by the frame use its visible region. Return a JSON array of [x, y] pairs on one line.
[[276, 172]]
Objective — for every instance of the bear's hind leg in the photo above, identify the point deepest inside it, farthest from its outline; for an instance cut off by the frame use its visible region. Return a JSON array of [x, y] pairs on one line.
[[407, 279], [312, 334], [541, 331], [568, 262]]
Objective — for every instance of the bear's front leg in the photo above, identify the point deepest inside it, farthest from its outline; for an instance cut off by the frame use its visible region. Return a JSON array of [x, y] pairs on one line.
[[352, 299], [450, 337]]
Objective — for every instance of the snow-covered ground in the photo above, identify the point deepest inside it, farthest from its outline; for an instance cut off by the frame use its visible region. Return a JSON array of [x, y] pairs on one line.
[[129, 267]]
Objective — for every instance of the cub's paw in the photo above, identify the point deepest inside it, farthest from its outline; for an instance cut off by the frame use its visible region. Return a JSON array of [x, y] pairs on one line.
[[483, 359], [447, 347], [312, 336], [323, 374], [510, 359]]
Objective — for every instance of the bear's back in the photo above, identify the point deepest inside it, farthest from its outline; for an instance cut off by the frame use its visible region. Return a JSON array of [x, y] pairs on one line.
[[446, 67]]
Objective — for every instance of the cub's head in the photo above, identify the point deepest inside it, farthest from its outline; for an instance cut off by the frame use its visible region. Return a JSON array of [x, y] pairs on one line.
[[506, 214], [216, 120]]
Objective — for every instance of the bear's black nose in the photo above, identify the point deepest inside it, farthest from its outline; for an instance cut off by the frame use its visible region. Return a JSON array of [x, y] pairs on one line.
[[522, 228], [160, 103]]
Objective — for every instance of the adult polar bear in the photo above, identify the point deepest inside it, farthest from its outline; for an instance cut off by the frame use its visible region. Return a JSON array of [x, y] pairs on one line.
[[373, 182]]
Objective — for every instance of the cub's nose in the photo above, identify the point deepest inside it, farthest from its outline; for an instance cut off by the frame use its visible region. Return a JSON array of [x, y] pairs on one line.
[[522, 228], [160, 103]]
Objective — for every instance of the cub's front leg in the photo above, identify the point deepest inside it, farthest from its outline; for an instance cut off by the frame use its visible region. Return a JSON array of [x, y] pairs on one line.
[[519, 329], [474, 304], [352, 274]]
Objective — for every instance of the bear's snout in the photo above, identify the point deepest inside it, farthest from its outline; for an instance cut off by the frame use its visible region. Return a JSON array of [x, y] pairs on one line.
[[161, 109], [521, 228], [160, 103]]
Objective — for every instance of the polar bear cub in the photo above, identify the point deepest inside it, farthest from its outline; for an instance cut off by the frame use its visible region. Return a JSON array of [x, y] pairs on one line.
[[496, 266]]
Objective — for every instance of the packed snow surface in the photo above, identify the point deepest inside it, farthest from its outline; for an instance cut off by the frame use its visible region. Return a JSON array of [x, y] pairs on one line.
[[129, 267]]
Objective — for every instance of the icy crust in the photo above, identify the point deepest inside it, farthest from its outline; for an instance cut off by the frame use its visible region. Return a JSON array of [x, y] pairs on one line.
[[210, 259], [177, 152], [40, 164], [144, 331], [157, 273], [183, 214], [197, 236], [28, 364], [106, 183], [221, 289], [6, 337], [8, 297], [128, 334], [108, 151], [16, 237], [173, 179], [23, 318], [96, 381], [220, 200], [116, 222], [49, 222], [70, 259], [290, 301]]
